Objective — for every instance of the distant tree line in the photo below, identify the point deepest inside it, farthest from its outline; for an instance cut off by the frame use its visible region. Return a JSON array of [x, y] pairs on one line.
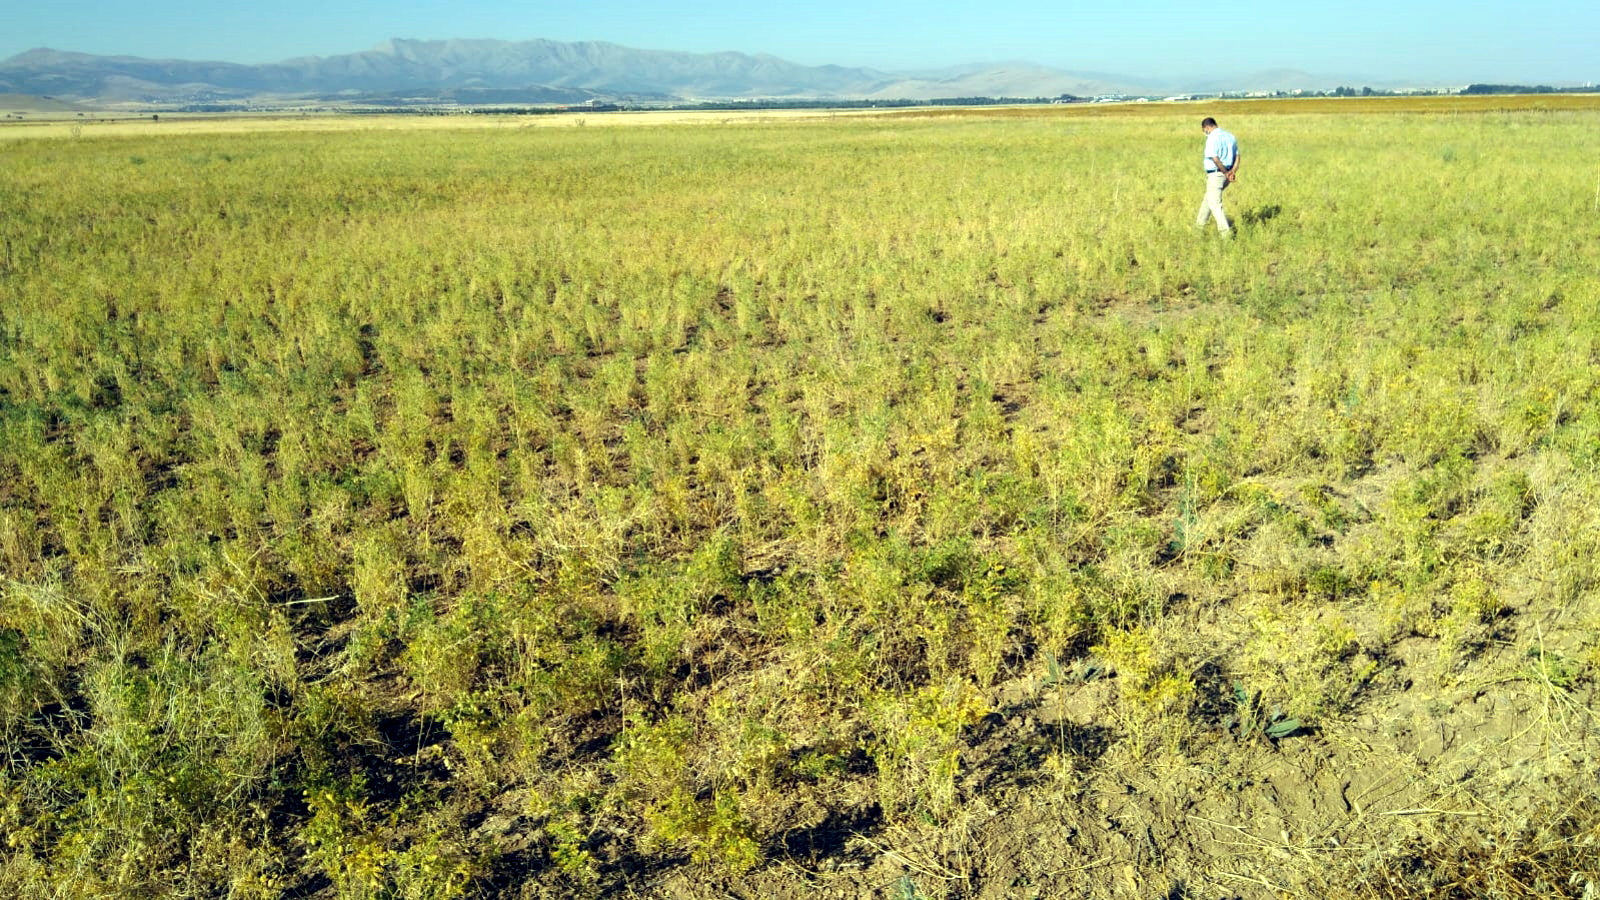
[[1469, 89], [1523, 89]]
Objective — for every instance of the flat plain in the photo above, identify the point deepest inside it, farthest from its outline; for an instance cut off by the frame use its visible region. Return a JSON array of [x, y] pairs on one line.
[[906, 505]]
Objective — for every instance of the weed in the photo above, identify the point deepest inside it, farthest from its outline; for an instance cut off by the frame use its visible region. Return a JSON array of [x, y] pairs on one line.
[[917, 749], [1251, 719]]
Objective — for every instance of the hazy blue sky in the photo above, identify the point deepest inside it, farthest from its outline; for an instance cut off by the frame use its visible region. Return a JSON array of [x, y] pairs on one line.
[[1468, 40]]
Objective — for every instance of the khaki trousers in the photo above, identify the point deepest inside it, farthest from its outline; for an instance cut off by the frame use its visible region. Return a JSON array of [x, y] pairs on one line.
[[1216, 183]]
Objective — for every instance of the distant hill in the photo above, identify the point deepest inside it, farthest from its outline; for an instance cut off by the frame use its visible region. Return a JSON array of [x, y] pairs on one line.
[[486, 72], [521, 71], [1007, 80], [14, 104], [1267, 80]]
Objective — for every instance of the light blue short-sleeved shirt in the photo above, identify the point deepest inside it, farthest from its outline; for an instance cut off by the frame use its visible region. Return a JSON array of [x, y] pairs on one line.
[[1223, 146]]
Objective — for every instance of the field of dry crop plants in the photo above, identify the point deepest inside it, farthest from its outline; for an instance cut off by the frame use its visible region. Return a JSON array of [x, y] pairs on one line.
[[860, 507]]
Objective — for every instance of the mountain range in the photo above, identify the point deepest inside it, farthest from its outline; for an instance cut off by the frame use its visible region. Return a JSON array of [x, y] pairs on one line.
[[542, 71]]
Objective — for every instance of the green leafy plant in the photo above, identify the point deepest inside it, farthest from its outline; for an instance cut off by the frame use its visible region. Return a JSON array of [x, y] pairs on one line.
[[1251, 719]]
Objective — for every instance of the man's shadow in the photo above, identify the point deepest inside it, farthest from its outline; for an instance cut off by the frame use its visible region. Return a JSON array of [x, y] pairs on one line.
[[1260, 214]]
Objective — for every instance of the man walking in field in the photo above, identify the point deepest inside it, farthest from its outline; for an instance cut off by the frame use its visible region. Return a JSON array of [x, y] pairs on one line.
[[1222, 167]]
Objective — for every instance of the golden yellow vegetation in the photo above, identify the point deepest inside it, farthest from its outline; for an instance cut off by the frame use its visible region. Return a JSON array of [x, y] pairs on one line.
[[804, 504]]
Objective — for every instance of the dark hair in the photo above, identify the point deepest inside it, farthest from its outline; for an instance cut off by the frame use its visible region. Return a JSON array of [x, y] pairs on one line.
[[1208, 121]]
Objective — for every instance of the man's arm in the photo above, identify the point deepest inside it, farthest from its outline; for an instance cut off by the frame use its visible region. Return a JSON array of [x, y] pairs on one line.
[[1237, 159]]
